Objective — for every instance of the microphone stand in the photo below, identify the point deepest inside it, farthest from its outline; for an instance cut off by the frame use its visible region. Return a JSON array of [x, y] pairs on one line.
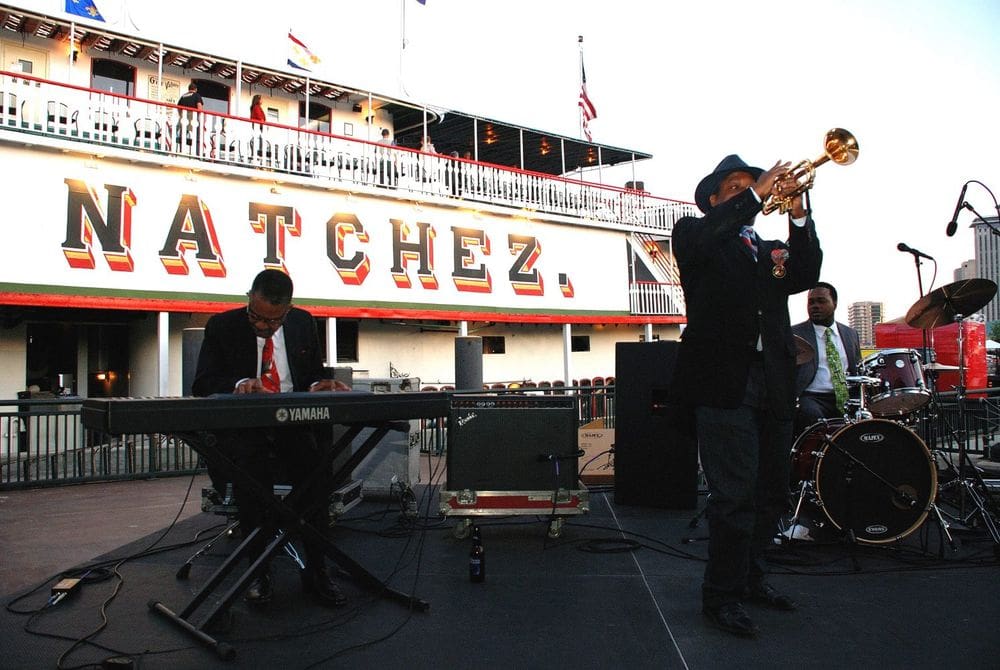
[[990, 224], [927, 335]]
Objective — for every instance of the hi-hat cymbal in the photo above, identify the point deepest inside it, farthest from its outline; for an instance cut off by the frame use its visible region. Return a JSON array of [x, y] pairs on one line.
[[804, 351], [940, 306]]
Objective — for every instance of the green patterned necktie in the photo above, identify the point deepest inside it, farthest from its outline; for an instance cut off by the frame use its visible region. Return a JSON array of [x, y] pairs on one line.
[[836, 371]]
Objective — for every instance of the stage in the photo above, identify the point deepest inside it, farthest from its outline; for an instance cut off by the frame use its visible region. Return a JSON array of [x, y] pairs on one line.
[[620, 587]]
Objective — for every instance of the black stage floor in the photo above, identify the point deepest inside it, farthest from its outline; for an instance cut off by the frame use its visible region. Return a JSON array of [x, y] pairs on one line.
[[619, 588]]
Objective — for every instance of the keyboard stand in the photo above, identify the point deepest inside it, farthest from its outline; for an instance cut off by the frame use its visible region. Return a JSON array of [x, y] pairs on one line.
[[282, 516]]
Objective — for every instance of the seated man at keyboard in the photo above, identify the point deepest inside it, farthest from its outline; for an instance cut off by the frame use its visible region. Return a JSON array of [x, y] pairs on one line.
[[269, 347]]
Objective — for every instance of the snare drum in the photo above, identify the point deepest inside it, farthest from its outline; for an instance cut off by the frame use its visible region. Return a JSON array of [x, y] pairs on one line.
[[902, 389]]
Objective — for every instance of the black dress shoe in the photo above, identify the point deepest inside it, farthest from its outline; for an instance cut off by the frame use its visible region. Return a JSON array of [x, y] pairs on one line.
[[260, 590], [318, 584], [732, 618], [764, 594]]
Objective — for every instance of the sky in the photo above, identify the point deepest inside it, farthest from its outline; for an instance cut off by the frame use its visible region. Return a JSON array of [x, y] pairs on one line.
[[916, 81]]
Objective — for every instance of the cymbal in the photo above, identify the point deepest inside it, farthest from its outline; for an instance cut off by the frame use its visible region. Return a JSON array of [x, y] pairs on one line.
[[804, 351], [940, 367], [940, 306]]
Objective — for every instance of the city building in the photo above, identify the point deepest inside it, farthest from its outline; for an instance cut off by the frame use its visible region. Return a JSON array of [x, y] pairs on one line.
[[987, 236], [862, 317], [966, 271]]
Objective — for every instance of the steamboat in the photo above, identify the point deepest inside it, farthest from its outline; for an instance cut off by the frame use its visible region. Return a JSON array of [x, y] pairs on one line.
[[131, 219]]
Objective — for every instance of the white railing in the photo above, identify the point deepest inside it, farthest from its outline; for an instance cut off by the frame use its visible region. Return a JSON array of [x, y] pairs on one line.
[[654, 298], [41, 107]]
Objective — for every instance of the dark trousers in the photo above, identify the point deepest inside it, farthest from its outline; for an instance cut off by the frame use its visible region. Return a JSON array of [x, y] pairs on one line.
[[280, 456], [813, 407], [745, 455]]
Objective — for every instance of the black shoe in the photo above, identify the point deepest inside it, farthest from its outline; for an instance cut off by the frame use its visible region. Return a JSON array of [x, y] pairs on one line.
[[763, 593], [318, 584], [260, 590], [732, 618]]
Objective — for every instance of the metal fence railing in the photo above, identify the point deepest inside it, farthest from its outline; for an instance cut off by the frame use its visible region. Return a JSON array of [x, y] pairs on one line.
[[42, 442]]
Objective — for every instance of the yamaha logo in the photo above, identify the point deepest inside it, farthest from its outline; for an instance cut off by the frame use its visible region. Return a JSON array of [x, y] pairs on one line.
[[872, 438], [281, 416], [876, 529]]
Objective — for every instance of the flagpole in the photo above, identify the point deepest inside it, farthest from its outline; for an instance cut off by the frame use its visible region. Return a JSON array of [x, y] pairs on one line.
[[402, 44], [580, 83], [72, 38]]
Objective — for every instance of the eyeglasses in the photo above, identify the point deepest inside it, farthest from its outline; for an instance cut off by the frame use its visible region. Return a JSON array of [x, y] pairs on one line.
[[257, 318]]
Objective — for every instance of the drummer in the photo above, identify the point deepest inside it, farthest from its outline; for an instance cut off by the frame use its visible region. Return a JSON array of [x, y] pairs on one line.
[[820, 383]]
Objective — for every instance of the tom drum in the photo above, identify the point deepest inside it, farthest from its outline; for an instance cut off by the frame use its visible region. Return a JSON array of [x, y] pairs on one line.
[[902, 389]]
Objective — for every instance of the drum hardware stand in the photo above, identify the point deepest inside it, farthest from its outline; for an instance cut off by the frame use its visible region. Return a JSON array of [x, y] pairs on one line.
[[793, 522], [966, 488], [849, 536], [693, 524]]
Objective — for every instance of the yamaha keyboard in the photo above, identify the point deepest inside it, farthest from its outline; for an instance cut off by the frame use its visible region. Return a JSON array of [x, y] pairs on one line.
[[257, 410]]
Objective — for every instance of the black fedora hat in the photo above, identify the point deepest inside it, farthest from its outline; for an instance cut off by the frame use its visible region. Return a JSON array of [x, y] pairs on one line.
[[710, 184]]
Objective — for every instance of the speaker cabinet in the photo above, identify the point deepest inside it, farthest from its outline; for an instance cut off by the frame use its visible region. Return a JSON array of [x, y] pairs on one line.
[[656, 453], [512, 443]]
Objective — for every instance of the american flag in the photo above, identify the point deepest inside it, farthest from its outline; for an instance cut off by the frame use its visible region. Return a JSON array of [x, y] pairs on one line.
[[587, 111]]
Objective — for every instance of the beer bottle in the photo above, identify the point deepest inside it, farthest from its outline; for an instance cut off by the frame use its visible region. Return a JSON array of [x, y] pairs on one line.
[[477, 558]]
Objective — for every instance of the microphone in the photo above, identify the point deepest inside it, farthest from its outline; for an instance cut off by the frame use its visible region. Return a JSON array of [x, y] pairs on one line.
[[953, 224], [902, 246]]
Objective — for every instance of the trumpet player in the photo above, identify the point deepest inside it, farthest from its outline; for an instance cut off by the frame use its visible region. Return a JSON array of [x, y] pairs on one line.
[[735, 371]]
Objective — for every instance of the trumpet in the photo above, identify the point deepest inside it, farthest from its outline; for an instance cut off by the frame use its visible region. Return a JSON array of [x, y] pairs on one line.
[[840, 146]]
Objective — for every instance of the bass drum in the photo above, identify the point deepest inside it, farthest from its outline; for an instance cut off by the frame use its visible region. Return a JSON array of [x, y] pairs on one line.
[[809, 445], [876, 479]]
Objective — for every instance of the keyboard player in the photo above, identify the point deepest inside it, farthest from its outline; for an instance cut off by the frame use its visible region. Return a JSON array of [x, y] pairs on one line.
[[269, 346]]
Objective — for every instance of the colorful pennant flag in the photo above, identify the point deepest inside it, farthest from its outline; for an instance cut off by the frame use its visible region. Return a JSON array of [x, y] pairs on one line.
[[299, 55], [85, 8]]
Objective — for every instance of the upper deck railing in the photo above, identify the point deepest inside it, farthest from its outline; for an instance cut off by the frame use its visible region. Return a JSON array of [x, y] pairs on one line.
[[66, 113]]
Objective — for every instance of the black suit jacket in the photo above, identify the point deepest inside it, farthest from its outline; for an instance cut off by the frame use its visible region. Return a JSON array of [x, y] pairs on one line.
[[806, 371], [731, 300], [229, 352]]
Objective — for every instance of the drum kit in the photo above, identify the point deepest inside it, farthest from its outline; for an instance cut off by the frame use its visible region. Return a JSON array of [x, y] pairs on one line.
[[868, 473]]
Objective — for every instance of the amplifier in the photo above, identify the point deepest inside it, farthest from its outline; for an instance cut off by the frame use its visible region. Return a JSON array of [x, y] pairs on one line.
[[512, 443]]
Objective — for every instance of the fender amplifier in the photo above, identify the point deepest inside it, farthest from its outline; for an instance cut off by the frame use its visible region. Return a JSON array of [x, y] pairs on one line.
[[512, 443]]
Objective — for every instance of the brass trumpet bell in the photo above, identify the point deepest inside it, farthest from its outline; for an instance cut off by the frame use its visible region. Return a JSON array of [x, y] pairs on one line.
[[840, 146]]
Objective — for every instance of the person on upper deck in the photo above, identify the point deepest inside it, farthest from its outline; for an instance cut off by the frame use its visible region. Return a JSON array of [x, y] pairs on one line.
[[189, 121], [192, 99], [257, 113], [735, 373]]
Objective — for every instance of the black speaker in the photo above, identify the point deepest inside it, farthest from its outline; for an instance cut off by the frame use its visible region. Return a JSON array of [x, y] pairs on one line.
[[191, 339], [656, 453], [512, 443]]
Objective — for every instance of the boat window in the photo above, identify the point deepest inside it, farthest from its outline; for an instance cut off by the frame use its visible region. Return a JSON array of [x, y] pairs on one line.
[[112, 76], [494, 344], [319, 116], [579, 343], [214, 96], [347, 341]]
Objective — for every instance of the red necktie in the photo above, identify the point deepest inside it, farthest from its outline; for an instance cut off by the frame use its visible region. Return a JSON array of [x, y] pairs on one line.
[[268, 371]]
